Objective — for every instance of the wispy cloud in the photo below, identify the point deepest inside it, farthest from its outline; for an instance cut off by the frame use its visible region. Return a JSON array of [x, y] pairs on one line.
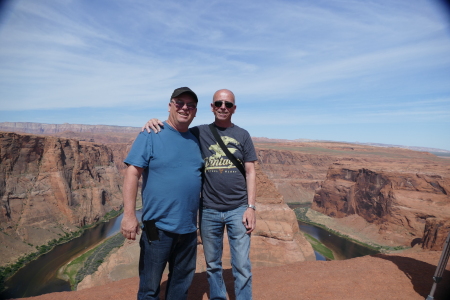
[[340, 62]]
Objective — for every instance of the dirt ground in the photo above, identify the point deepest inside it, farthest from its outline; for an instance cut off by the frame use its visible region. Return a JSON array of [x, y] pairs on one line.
[[403, 276]]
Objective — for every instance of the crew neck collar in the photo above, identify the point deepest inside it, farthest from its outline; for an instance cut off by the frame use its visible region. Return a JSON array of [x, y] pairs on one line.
[[223, 128], [173, 129]]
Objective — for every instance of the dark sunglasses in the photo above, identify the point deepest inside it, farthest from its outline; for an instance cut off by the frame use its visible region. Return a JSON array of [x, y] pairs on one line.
[[227, 104], [180, 104]]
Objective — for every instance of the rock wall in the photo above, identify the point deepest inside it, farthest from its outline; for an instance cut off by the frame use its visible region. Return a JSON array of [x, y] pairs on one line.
[[117, 138], [435, 233], [398, 202], [296, 175], [275, 241], [50, 186]]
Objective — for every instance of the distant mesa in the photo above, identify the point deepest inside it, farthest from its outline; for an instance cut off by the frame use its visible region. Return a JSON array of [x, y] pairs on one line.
[[41, 128]]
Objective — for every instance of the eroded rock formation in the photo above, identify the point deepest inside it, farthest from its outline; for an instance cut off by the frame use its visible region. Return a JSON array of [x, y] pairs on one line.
[[50, 186], [277, 239], [295, 174], [435, 233], [398, 201]]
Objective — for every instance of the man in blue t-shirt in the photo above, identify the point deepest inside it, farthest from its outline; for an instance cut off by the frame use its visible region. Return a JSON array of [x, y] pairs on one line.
[[228, 197], [171, 166]]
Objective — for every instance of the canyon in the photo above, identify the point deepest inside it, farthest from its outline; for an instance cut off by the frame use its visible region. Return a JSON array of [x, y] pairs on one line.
[[397, 203], [50, 187], [382, 196], [66, 177]]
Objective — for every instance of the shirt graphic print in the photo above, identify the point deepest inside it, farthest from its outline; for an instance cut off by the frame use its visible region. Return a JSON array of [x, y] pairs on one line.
[[219, 161]]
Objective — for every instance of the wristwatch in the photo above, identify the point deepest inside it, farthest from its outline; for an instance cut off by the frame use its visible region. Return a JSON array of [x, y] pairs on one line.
[[251, 206]]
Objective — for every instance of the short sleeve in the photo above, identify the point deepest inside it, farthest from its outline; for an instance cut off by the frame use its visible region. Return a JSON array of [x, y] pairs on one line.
[[249, 149], [141, 151]]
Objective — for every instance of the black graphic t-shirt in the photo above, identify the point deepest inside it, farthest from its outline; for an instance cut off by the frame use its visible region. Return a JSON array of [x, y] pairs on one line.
[[224, 186]]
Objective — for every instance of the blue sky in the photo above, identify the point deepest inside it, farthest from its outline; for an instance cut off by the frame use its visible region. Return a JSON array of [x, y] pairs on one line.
[[355, 71]]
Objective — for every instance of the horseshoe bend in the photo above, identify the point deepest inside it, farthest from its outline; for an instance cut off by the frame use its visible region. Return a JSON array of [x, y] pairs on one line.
[[51, 185]]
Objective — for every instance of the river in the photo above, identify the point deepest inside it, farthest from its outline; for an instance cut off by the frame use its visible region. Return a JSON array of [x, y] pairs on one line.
[[342, 248], [40, 275]]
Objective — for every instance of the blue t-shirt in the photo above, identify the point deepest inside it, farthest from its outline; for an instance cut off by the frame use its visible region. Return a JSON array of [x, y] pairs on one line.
[[171, 181]]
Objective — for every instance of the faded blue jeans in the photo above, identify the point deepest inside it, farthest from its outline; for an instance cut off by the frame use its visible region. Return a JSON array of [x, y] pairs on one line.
[[180, 251], [212, 224]]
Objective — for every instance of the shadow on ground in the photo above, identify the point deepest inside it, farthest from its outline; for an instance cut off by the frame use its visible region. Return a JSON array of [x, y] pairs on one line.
[[421, 275], [200, 286]]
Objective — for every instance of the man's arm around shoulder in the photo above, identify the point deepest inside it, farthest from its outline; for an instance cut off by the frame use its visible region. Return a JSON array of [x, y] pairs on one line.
[[130, 224]]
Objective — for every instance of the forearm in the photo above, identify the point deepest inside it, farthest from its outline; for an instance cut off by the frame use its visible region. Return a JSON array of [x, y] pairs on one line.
[[130, 187], [251, 182], [249, 217], [130, 225]]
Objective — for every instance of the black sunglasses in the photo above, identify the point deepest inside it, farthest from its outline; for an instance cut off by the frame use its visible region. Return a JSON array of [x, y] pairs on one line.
[[180, 104], [227, 104]]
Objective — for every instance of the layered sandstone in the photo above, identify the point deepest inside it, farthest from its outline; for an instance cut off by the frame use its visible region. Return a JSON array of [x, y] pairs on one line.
[[295, 174], [435, 233], [397, 201], [276, 241], [49, 187], [117, 138], [360, 201], [298, 169]]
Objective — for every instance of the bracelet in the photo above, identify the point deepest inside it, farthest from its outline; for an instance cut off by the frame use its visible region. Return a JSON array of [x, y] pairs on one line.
[[251, 206]]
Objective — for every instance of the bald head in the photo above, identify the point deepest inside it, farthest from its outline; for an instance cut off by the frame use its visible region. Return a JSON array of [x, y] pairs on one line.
[[222, 94]]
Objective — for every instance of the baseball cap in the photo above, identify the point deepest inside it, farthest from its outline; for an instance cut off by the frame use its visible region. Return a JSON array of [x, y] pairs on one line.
[[177, 92]]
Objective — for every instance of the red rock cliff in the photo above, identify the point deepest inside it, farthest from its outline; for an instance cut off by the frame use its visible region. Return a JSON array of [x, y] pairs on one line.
[[296, 175], [397, 201], [435, 233], [50, 186]]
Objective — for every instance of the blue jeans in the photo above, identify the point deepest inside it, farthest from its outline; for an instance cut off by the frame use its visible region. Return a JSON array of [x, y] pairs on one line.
[[180, 251], [212, 224]]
